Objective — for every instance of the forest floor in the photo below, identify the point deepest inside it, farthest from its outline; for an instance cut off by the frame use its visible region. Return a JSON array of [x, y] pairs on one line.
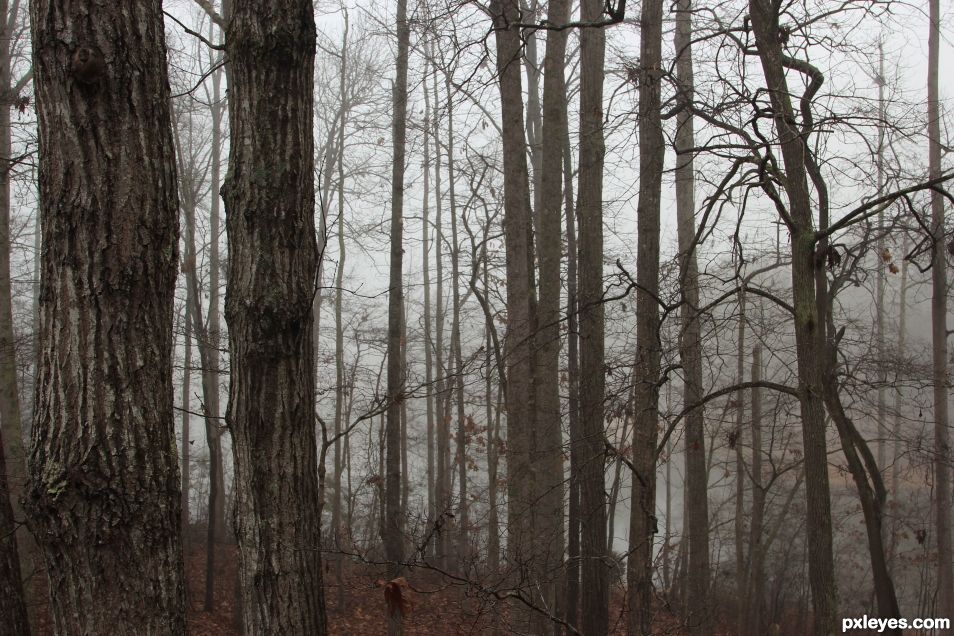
[[436, 609]]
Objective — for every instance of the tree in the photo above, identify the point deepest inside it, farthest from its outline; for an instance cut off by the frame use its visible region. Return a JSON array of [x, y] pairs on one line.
[[393, 527], [269, 196], [521, 313], [595, 575], [648, 346], [939, 291], [12, 604], [809, 326], [103, 498], [690, 346]]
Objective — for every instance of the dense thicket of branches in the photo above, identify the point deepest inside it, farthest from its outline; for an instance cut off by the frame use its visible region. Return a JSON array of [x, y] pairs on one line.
[[583, 319]]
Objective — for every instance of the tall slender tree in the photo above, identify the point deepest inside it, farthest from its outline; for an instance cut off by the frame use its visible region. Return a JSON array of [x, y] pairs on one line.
[[104, 486], [642, 527], [690, 344], [269, 196], [393, 526], [939, 291]]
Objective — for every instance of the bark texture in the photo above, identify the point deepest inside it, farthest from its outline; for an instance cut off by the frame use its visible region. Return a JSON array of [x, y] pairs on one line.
[[269, 199], [103, 496]]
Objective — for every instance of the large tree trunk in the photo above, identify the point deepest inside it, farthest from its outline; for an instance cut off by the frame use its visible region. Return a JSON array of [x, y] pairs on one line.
[[942, 441], [651, 154], [269, 196], [549, 215], [809, 326], [393, 527], [104, 478], [690, 344], [521, 315], [595, 574]]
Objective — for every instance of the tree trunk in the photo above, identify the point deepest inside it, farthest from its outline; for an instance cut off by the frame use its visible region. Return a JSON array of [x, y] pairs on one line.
[[270, 198], [12, 600], [690, 349], [463, 517], [521, 315], [428, 330], [809, 326], [755, 579], [104, 484], [11, 416], [573, 380], [394, 526], [651, 154], [595, 574], [337, 533], [942, 442]]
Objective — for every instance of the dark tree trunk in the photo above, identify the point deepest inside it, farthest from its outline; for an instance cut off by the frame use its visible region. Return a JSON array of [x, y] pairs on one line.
[[12, 605], [595, 575], [651, 154], [690, 345], [809, 326], [549, 214], [104, 491], [521, 314], [393, 526], [269, 198]]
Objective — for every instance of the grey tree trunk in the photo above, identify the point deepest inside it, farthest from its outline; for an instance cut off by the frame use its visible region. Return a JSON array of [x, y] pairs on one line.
[[394, 527], [549, 221], [595, 573], [755, 577], [573, 380], [462, 547], [269, 199], [338, 534], [651, 154], [809, 326], [939, 291], [12, 600], [428, 317], [690, 345], [12, 426], [521, 314], [103, 496]]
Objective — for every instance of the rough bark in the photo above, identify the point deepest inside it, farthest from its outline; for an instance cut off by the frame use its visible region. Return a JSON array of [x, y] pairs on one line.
[[269, 196], [103, 497]]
